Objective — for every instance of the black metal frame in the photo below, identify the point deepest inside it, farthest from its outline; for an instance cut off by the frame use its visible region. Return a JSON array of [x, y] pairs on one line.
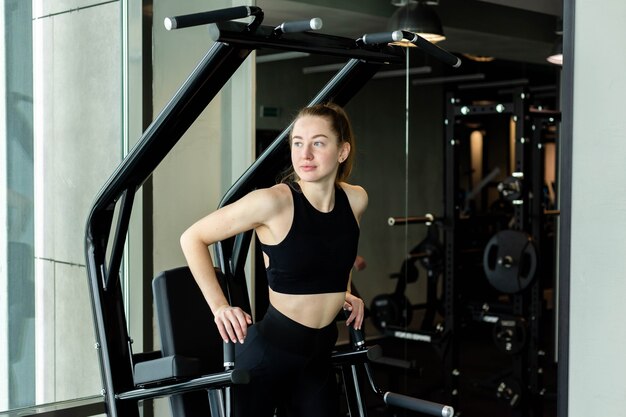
[[565, 195], [536, 361], [112, 207], [529, 218], [450, 215]]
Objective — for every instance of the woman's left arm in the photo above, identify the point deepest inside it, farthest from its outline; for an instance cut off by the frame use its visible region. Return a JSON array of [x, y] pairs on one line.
[[358, 201], [356, 307]]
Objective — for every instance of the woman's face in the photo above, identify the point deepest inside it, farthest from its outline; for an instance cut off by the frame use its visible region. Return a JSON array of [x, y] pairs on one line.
[[315, 149]]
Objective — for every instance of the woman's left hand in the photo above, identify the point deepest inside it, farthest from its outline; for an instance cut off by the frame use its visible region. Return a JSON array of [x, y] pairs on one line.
[[356, 307]]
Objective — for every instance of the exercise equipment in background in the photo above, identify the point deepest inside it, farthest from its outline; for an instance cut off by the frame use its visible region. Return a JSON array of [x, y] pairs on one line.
[[394, 311]]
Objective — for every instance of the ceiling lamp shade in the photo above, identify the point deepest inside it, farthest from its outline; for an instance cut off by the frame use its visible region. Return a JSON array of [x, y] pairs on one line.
[[478, 58], [556, 56], [420, 18]]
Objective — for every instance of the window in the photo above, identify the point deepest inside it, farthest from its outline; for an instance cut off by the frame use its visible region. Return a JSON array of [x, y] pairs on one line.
[[60, 70]]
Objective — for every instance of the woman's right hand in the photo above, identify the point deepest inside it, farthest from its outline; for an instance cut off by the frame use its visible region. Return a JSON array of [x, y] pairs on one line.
[[232, 323]]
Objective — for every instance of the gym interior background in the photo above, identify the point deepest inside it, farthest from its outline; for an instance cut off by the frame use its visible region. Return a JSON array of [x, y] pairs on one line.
[[82, 79]]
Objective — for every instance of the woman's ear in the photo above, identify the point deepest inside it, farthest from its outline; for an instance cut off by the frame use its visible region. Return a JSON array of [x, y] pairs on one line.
[[344, 152]]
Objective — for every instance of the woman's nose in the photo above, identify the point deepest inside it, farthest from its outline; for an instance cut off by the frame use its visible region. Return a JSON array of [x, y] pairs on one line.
[[307, 152]]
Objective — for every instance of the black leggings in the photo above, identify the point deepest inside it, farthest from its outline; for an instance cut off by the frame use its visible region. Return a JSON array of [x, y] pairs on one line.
[[289, 367]]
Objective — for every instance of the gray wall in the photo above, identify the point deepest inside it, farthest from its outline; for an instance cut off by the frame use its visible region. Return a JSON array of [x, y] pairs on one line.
[[215, 150], [597, 337], [212, 154], [377, 114]]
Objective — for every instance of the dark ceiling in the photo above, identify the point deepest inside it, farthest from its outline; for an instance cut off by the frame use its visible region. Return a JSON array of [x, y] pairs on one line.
[[519, 34], [514, 30]]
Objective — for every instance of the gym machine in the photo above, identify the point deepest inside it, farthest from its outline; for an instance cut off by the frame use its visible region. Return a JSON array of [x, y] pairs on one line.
[[392, 313], [496, 262], [129, 377], [516, 259]]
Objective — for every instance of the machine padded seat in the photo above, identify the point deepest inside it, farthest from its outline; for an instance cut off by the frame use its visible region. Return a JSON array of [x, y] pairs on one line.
[[164, 369], [185, 320], [190, 342]]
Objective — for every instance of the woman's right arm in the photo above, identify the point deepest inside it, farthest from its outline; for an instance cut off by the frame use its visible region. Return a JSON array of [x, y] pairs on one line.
[[250, 212], [231, 322]]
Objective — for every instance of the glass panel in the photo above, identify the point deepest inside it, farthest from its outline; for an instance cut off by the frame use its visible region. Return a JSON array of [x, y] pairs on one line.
[[60, 70], [18, 167]]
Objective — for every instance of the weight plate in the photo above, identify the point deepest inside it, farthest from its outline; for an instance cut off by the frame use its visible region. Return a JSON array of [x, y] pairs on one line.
[[509, 335], [391, 310], [509, 391], [510, 261], [510, 189]]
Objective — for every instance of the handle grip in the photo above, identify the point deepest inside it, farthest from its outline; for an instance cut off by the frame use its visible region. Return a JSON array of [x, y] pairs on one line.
[[396, 221], [382, 37], [214, 16], [432, 49], [229, 355], [414, 404], [358, 341], [300, 25], [356, 336]]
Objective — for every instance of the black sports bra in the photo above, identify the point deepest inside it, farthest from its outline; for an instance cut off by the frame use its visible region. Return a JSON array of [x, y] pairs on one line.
[[319, 250]]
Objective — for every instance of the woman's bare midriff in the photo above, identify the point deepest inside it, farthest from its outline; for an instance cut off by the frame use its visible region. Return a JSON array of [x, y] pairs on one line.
[[311, 310]]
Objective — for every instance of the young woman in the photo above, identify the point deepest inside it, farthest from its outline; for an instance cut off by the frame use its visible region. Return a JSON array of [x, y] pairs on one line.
[[309, 228]]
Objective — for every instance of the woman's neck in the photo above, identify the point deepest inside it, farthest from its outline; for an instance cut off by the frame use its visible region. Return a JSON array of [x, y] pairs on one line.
[[320, 195]]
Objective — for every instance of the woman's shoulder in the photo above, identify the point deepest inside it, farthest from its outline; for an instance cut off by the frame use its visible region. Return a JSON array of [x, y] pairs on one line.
[[264, 204], [274, 196], [356, 195], [353, 190]]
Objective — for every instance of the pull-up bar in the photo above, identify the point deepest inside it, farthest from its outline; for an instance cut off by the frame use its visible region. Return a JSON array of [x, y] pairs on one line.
[[213, 16], [223, 15]]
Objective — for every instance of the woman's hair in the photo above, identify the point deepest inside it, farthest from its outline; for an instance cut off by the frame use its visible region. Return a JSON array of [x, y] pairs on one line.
[[340, 124]]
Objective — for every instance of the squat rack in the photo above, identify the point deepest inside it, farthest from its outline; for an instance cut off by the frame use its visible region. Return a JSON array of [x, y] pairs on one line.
[[524, 389], [109, 217]]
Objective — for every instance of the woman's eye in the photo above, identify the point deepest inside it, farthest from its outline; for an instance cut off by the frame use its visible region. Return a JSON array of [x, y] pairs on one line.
[[318, 144]]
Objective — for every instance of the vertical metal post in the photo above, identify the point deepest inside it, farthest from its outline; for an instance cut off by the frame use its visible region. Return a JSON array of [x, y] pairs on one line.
[[536, 306], [157, 141], [451, 213], [521, 211]]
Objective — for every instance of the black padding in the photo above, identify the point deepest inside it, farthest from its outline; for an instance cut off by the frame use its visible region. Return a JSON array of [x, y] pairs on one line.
[[163, 369], [185, 320], [190, 343], [240, 377]]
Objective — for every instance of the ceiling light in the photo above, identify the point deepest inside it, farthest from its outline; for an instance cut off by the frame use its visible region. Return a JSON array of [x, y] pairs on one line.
[[381, 74], [479, 58], [323, 68], [280, 56], [556, 56], [402, 72], [420, 18], [495, 84], [448, 79]]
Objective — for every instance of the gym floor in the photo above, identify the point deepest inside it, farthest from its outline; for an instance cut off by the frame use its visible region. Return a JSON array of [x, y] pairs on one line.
[[416, 369]]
